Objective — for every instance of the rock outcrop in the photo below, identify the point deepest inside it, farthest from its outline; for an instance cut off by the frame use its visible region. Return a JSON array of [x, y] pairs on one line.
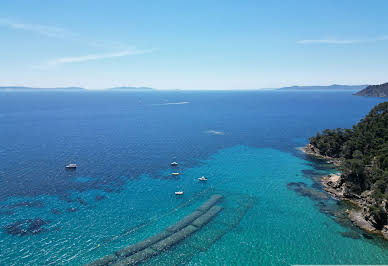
[[361, 216], [314, 151], [362, 155], [384, 231]]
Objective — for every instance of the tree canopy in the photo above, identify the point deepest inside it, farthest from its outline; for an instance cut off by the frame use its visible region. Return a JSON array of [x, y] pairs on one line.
[[363, 150]]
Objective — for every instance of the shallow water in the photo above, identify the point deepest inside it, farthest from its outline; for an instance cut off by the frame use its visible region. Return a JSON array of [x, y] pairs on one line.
[[245, 143]]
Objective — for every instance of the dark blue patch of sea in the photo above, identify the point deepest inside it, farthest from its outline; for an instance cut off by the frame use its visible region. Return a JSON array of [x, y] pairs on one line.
[[123, 144]]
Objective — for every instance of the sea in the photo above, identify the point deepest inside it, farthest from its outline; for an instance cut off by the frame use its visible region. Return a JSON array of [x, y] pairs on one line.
[[246, 143]]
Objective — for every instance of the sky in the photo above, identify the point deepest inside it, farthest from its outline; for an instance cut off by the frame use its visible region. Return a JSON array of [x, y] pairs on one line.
[[193, 45]]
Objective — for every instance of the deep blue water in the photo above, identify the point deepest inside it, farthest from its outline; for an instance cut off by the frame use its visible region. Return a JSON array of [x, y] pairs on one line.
[[244, 142]]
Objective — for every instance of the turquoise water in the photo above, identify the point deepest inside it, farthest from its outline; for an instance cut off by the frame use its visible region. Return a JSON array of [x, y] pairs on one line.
[[281, 228], [123, 191]]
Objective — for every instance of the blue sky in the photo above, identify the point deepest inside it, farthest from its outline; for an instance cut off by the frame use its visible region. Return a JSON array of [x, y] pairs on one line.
[[193, 44]]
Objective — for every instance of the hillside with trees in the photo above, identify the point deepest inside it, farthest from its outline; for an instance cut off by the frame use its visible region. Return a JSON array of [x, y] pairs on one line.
[[363, 155]]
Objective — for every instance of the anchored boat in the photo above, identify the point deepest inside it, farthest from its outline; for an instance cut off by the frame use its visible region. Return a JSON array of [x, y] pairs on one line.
[[71, 166], [179, 192], [202, 178], [174, 164], [175, 173]]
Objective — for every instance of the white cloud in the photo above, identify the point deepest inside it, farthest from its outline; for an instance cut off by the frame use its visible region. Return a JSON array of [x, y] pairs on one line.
[[49, 31], [342, 41], [93, 57], [60, 33]]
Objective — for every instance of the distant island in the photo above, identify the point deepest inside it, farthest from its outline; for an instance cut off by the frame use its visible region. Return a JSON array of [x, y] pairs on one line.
[[374, 91], [21, 88], [131, 89], [331, 87], [361, 153]]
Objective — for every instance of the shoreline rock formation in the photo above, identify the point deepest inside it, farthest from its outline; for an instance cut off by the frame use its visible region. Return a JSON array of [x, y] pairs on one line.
[[310, 149], [336, 186], [361, 154]]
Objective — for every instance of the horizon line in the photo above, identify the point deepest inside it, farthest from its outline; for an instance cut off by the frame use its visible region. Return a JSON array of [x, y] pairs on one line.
[[147, 88]]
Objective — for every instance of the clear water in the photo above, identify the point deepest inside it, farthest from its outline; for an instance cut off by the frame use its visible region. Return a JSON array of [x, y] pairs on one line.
[[244, 142]]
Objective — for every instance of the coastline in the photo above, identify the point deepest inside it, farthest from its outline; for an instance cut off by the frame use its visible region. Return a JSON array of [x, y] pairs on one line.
[[310, 149], [338, 188]]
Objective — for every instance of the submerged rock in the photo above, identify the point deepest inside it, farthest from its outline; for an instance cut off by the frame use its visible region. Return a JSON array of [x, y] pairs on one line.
[[100, 197], [323, 208], [112, 190], [367, 236], [316, 186], [26, 227], [6, 212], [351, 234], [303, 190], [343, 221], [30, 204], [140, 251], [310, 173], [56, 211], [82, 201]]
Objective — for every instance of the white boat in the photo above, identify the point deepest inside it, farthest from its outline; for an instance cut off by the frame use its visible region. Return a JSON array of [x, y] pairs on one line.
[[71, 166], [178, 192], [175, 173], [202, 178], [174, 164]]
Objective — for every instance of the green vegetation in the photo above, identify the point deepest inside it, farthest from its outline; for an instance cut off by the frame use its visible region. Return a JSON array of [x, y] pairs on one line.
[[363, 151]]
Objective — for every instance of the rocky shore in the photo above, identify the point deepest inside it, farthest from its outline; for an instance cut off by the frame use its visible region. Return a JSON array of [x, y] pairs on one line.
[[337, 187], [314, 151]]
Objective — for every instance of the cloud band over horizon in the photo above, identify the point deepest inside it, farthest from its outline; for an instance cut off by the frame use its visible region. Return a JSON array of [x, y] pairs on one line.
[[49, 31], [342, 41], [94, 57]]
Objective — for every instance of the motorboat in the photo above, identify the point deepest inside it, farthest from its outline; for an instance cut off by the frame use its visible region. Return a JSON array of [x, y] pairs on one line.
[[202, 178], [176, 173], [174, 164], [178, 192], [71, 166]]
